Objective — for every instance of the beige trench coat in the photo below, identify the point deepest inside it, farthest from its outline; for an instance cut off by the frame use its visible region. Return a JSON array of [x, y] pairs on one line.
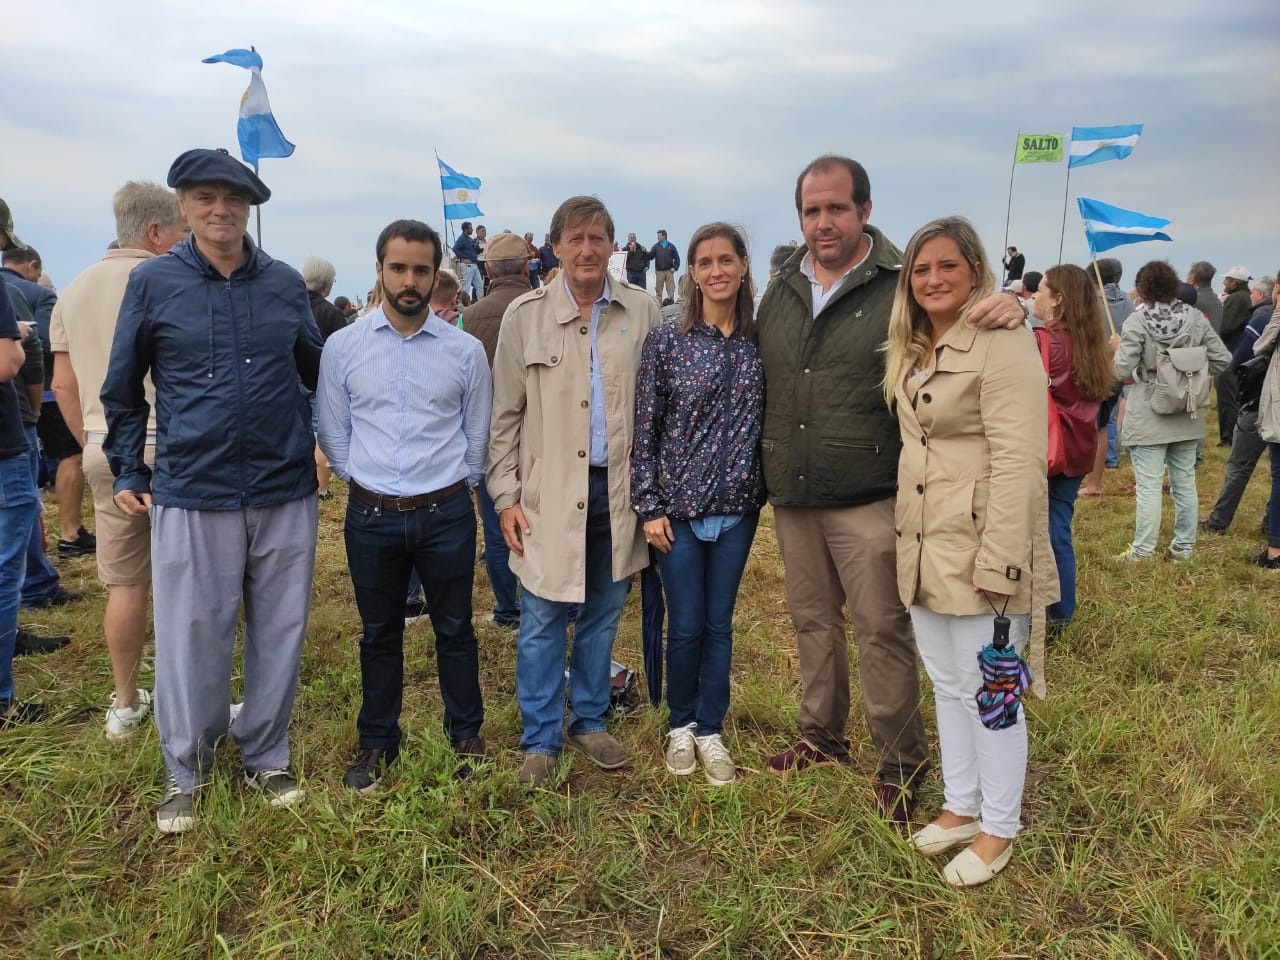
[[1269, 401], [972, 508], [539, 437]]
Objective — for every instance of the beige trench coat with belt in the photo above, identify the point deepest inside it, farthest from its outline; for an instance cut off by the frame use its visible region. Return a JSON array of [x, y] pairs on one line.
[[540, 432], [972, 508]]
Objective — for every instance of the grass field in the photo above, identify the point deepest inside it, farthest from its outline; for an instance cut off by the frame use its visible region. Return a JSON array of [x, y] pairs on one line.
[[1152, 808]]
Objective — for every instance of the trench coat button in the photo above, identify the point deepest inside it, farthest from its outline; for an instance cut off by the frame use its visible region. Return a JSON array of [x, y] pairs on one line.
[[801, 477], [555, 359], [806, 369], [924, 441], [582, 329], [581, 505], [897, 533], [582, 453], [585, 404], [926, 398], [919, 488], [802, 426], [917, 538]]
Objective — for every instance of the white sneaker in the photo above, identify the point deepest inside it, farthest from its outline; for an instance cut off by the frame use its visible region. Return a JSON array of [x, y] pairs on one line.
[[233, 713], [682, 757], [716, 762], [124, 722]]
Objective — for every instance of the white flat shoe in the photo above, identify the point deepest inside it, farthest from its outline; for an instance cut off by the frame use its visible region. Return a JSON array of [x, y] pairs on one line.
[[933, 839], [969, 870]]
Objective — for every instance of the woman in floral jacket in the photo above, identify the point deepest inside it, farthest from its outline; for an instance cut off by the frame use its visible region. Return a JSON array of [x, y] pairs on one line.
[[696, 484]]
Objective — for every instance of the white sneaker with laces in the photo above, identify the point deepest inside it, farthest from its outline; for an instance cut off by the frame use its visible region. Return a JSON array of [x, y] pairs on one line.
[[124, 722], [682, 757], [716, 762]]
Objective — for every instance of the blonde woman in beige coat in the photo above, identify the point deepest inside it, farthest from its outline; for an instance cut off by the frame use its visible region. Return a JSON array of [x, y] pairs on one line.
[[971, 501]]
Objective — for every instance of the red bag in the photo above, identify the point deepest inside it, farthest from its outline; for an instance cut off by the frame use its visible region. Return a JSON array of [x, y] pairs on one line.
[[1057, 446]]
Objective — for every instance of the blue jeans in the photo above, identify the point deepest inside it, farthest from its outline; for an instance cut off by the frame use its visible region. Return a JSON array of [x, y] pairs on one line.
[[1062, 506], [472, 280], [506, 604], [440, 544], [1113, 438], [41, 583], [701, 581], [19, 508], [1149, 463], [543, 637]]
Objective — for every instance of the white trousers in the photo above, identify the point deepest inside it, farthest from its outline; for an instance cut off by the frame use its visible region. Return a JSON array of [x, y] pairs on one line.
[[983, 771]]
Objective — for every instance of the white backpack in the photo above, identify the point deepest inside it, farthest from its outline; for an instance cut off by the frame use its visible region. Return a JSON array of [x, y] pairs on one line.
[[1181, 382]]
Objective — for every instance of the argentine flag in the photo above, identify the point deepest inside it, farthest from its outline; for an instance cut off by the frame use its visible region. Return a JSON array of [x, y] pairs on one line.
[[1106, 226], [461, 193], [259, 134], [1097, 144]]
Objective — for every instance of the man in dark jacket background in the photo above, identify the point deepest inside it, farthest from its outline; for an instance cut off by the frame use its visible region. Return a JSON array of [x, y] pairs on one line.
[[226, 333], [666, 261], [637, 262], [1014, 264], [1237, 307], [830, 454]]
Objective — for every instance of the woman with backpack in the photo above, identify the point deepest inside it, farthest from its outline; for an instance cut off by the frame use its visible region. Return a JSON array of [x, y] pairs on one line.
[[1080, 378], [1172, 354]]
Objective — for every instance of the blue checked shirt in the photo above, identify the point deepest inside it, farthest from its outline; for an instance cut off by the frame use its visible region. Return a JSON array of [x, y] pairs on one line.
[[404, 416]]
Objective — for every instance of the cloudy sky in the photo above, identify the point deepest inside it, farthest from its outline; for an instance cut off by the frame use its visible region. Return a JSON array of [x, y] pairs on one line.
[[674, 113]]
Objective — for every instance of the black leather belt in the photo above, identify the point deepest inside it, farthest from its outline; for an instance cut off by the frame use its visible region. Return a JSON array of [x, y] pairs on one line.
[[405, 504]]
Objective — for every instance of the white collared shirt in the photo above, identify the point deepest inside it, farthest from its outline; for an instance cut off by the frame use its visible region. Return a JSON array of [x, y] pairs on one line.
[[822, 298]]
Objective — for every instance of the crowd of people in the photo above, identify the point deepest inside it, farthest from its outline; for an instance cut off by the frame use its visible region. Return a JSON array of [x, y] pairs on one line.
[[920, 436]]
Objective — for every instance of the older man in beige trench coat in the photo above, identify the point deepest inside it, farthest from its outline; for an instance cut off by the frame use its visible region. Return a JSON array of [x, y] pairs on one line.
[[559, 447]]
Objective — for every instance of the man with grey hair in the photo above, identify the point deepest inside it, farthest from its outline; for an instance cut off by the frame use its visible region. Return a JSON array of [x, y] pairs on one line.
[[232, 496], [319, 275], [1200, 275], [148, 223], [559, 474], [1247, 445]]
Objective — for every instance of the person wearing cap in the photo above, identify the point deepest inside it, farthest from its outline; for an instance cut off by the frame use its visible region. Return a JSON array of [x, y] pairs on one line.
[[507, 264], [404, 418], [637, 263], [1237, 307], [564, 376], [19, 500], [226, 333], [148, 223]]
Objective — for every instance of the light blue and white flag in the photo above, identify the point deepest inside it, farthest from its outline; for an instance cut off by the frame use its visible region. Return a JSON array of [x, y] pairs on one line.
[[1106, 226], [1098, 144], [461, 193], [259, 134]]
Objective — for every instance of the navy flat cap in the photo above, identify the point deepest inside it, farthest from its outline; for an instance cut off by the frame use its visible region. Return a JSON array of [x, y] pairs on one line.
[[217, 166]]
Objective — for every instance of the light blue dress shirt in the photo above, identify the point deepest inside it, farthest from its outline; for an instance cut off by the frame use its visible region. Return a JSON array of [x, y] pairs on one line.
[[599, 451], [403, 416]]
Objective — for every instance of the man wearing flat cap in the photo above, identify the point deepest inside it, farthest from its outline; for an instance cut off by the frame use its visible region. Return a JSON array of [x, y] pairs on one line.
[[507, 263], [226, 334]]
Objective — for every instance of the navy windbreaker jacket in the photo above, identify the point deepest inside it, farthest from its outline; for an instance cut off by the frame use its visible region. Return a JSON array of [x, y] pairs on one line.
[[233, 429]]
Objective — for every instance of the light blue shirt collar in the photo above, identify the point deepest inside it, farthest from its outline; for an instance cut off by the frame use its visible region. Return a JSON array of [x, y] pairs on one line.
[[378, 320]]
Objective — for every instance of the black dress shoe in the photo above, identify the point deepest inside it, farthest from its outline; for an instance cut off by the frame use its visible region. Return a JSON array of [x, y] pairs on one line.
[[61, 597], [29, 645], [368, 767], [470, 751], [13, 712]]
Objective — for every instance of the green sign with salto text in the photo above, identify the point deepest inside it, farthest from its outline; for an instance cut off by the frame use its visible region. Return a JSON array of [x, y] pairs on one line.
[[1038, 148]]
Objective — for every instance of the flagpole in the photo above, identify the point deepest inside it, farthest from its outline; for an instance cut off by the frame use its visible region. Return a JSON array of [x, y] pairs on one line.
[[258, 207], [1066, 192], [1008, 210]]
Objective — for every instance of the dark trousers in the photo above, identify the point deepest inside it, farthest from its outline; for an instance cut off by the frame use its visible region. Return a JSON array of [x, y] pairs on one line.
[[440, 544], [1273, 508], [637, 277], [1246, 449], [1228, 405], [497, 563], [1062, 505]]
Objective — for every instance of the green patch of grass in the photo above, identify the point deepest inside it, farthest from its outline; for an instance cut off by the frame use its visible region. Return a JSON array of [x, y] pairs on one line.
[[1152, 808]]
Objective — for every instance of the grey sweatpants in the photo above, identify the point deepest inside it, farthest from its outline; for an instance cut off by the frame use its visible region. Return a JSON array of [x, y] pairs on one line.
[[204, 563]]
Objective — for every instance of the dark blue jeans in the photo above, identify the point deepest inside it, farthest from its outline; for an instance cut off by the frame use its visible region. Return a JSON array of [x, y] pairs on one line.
[[19, 508], [41, 582], [1273, 508], [440, 543], [1062, 507], [637, 277], [701, 582], [506, 602]]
